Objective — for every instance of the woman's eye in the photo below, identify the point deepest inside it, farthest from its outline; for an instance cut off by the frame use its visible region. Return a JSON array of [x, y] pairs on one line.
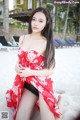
[[40, 21], [33, 19]]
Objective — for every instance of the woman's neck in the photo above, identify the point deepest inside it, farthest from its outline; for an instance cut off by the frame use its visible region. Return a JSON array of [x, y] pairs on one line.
[[36, 36]]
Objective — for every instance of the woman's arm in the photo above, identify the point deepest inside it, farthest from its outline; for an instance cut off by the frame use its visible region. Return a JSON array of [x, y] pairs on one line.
[[43, 73], [25, 72], [17, 62]]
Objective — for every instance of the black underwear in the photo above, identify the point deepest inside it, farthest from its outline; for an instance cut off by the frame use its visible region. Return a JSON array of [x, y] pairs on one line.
[[31, 88]]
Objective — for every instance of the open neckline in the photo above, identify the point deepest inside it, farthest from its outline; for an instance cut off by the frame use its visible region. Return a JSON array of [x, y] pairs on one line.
[[31, 50]]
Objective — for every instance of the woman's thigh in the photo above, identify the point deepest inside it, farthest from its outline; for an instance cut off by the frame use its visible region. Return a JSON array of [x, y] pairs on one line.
[[26, 105], [46, 114]]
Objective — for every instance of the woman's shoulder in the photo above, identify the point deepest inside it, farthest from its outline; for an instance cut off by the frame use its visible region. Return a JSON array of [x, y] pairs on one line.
[[44, 41], [22, 38], [43, 44]]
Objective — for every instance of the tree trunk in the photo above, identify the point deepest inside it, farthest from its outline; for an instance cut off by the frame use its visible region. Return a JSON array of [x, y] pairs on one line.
[[78, 23], [56, 18], [66, 21], [6, 18], [53, 16], [40, 3]]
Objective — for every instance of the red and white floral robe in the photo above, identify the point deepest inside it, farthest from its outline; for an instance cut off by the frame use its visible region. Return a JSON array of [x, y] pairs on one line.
[[35, 61]]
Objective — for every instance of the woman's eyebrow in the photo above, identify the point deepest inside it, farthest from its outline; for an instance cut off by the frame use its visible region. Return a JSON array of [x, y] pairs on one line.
[[39, 18]]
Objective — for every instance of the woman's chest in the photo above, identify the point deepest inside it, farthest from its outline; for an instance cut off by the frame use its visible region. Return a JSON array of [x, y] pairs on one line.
[[33, 45], [30, 58]]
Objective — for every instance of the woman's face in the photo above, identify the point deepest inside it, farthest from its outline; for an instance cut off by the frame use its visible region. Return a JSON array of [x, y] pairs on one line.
[[38, 22]]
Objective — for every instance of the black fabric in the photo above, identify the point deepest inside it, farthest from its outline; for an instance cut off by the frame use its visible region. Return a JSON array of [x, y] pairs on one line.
[[31, 88]]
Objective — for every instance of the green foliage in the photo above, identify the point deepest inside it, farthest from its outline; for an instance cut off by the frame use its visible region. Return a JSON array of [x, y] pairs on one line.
[[49, 6], [73, 18], [1, 23], [18, 26], [51, 1]]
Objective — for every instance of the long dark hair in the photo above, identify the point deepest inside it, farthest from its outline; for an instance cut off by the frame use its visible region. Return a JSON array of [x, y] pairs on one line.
[[47, 32]]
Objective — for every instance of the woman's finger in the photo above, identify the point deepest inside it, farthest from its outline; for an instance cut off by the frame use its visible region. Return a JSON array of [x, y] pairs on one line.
[[20, 71]]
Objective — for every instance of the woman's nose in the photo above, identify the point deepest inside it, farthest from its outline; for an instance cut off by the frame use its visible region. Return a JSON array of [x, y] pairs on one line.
[[36, 23]]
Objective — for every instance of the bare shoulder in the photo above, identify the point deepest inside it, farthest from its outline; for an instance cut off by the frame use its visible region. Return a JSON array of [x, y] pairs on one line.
[[22, 37], [27, 36], [44, 42]]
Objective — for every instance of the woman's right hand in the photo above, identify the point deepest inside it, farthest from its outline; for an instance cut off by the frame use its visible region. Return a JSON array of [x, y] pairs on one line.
[[23, 71]]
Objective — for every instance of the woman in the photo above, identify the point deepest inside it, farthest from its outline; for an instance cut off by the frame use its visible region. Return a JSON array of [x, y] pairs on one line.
[[33, 85]]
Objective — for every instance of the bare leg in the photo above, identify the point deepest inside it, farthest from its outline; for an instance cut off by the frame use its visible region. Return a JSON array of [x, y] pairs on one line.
[[26, 105], [46, 114]]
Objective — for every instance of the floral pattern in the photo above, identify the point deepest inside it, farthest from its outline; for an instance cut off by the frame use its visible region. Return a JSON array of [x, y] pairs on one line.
[[35, 61]]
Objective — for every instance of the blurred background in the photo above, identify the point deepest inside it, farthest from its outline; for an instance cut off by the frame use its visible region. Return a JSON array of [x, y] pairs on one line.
[[14, 17]]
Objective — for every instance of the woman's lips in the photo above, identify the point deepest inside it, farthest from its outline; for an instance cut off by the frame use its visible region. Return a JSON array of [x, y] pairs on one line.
[[35, 28]]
